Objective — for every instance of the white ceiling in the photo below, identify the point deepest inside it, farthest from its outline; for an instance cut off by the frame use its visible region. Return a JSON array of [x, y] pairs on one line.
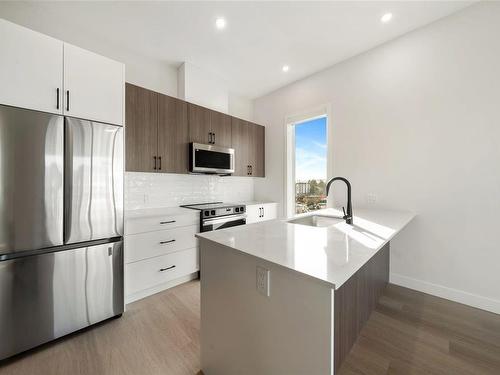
[[259, 39]]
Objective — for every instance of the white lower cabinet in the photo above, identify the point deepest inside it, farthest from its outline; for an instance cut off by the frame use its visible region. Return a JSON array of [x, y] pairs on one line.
[[261, 212], [147, 245], [153, 272], [161, 251]]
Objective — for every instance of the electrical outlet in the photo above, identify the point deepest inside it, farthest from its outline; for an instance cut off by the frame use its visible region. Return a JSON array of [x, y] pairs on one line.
[[263, 281], [371, 198]]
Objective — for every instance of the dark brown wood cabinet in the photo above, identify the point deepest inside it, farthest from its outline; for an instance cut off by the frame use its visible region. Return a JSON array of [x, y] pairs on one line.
[[208, 126], [156, 132], [248, 141], [199, 124], [159, 129], [240, 143], [220, 124], [141, 129], [173, 135], [258, 146]]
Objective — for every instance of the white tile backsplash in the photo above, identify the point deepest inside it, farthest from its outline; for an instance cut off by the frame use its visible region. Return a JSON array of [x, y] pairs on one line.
[[150, 190]]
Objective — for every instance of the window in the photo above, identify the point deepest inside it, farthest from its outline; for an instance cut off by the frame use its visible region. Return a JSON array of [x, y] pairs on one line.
[[307, 165]]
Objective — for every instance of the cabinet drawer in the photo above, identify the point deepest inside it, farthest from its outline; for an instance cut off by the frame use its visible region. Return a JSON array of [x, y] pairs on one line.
[[154, 271], [155, 223], [151, 244]]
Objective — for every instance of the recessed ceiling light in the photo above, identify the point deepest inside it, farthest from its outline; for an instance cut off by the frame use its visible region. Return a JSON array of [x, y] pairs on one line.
[[386, 18], [285, 68], [220, 23]]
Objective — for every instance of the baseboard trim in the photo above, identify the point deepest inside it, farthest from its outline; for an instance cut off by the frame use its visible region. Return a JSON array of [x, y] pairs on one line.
[[159, 288], [480, 302]]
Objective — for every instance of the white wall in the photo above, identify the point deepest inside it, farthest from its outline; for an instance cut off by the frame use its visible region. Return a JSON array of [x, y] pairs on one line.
[[240, 106], [198, 86], [416, 122]]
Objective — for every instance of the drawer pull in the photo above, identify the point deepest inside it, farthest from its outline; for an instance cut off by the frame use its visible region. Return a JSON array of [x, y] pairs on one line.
[[164, 242], [167, 222], [168, 268]]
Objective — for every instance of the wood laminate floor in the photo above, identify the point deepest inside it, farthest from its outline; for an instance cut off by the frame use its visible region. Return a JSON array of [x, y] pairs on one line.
[[409, 333]]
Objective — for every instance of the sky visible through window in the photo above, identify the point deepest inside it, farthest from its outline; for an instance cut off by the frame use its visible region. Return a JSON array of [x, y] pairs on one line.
[[310, 150]]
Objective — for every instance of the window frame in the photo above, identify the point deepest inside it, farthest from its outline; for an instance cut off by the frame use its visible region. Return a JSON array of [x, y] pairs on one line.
[[289, 157]]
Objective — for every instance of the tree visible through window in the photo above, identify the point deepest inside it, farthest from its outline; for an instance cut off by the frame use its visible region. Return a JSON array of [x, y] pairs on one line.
[[310, 165]]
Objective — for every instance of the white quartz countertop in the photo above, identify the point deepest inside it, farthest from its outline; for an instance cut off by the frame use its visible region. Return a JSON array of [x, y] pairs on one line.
[[160, 211], [331, 254]]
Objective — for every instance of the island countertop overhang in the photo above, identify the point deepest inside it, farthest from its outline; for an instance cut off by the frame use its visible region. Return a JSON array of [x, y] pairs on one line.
[[331, 254]]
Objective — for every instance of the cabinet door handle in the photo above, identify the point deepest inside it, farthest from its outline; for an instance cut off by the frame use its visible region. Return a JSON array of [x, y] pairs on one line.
[[260, 211], [167, 222], [165, 242], [263, 213], [209, 137], [57, 98], [154, 158], [159, 160], [67, 100], [213, 142], [166, 269], [251, 171]]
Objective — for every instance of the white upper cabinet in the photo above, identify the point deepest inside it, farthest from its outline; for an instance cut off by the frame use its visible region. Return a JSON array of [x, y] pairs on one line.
[[31, 69], [93, 86], [34, 67]]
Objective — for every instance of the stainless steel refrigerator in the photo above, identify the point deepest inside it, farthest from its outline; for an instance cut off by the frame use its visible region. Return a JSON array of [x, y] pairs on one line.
[[61, 226]]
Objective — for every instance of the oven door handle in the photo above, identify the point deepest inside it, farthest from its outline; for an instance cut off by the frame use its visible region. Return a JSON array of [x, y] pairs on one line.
[[224, 219]]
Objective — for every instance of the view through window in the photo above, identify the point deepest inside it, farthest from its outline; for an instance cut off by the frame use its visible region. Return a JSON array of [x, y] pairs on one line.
[[310, 165]]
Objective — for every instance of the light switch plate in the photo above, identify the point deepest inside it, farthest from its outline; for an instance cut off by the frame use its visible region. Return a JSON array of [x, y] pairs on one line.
[[263, 281]]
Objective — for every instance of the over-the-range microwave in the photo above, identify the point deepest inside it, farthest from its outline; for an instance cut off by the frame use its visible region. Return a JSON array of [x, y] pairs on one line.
[[210, 159]]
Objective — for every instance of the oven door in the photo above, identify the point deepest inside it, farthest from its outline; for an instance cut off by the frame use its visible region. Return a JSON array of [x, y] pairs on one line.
[[210, 159], [223, 222]]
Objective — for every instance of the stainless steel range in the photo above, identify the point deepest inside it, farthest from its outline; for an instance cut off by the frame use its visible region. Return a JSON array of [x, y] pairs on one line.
[[218, 215]]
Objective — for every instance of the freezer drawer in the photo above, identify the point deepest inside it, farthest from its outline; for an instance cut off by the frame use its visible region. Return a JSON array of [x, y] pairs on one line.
[[31, 180], [46, 296], [93, 181]]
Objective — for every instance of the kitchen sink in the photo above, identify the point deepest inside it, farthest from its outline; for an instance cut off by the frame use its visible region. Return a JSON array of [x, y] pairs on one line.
[[316, 221]]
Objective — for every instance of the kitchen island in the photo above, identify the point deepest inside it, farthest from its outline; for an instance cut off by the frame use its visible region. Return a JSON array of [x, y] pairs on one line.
[[290, 297]]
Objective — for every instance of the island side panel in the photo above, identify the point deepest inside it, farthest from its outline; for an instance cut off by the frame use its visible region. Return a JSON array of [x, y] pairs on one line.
[[356, 299], [244, 332]]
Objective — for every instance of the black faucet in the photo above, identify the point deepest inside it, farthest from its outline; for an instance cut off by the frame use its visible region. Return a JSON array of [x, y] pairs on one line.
[[347, 217]]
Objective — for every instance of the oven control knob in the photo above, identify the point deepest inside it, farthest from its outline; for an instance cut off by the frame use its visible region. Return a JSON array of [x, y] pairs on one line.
[[237, 209], [207, 213], [242, 209], [213, 212]]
